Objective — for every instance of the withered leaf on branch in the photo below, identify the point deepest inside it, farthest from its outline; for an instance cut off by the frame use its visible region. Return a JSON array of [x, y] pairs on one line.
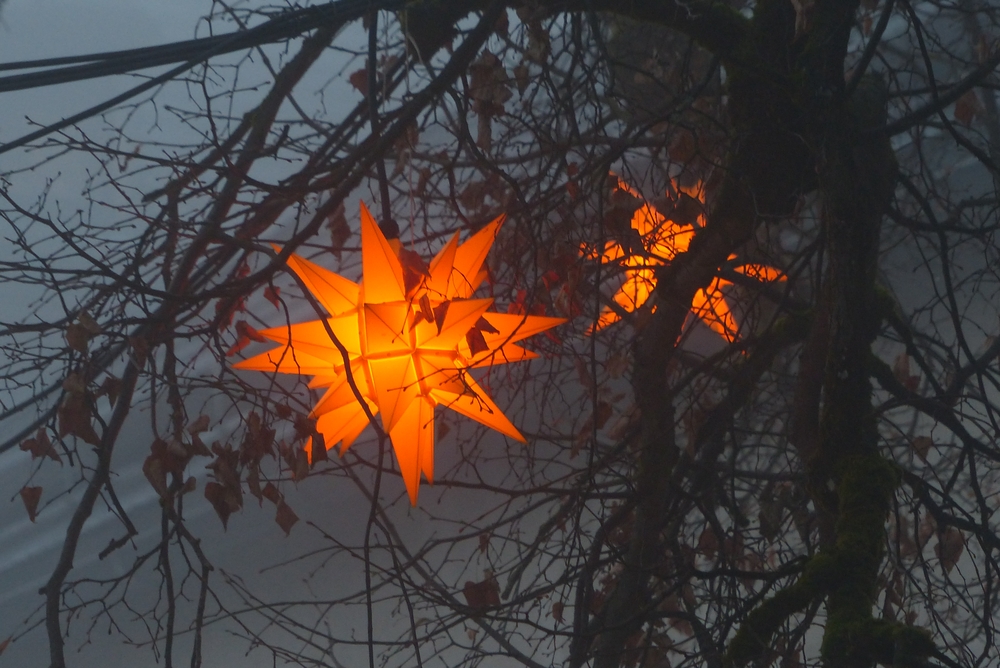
[[152, 468], [340, 231], [617, 365], [482, 595], [483, 325], [968, 108], [318, 449], [225, 468], [440, 311], [244, 330], [257, 441], [603, 413], [901, 370], [922, 445], [285, 517], [951, 545], [217, 496], [273, 295], [414, 269], [708, 543], [474, 337], [521, 77], [241, 343], [426, 312], [253, 484], [41, 446], [77, 337], [165, 458], [271, 493], [199, 425], [359, 79], [476, 340], [79, 333], [110, 388], [31, 496], [74, 413], [140, 349], [297, 460]]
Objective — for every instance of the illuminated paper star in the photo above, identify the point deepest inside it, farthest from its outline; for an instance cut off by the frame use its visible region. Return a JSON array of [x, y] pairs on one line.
[[662, 240], [410, 347]]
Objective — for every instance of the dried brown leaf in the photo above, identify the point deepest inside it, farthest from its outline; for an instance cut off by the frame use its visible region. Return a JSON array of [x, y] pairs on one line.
[[110, 388], [41, 446], [521, 77], [440, 311], [271, 493], [243, 329], [74, 418], [482, 595], [154, 471], [922, 445], [901, 370], [617, 365], [88, 323], [949, 549], [77, 337], [414, 269], [199, 425], [216, 495], [708, 543], [359, 79], [603, 413], [285, 517], [968, 108], [31, 496], [273, 295], [476, 340]]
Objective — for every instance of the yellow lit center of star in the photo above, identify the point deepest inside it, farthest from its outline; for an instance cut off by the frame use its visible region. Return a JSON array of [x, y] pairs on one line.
[[409, 347]]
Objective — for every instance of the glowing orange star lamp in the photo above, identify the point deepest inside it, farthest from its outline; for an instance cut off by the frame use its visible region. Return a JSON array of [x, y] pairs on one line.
[[409, 351], [662, 240]]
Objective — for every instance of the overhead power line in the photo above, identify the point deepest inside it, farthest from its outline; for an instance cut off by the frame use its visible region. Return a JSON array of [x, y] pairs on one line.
[[283, 26]]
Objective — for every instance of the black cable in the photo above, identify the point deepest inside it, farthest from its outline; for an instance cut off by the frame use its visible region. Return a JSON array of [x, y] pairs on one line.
[[281, 27], [285, 26]]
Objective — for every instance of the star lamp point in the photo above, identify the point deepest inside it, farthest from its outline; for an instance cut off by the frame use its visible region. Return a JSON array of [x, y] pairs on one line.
[[409, 350], [663, 239]]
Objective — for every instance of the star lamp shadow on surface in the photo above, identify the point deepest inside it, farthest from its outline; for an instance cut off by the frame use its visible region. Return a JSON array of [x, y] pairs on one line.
[[410, 345], [662, 239]]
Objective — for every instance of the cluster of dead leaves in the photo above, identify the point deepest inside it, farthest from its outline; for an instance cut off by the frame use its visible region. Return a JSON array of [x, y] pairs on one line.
[[40, 446], [75, 411], [79, 333], [244, 335], [475, 196], [489, 88], [170, 458]]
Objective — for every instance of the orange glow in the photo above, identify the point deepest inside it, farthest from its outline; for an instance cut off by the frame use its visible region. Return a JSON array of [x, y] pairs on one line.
[[662, 240], [409, 351]]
